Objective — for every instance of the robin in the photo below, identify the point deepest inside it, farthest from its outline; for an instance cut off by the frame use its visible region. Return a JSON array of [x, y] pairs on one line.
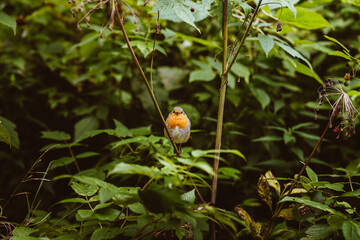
[[179, 126]]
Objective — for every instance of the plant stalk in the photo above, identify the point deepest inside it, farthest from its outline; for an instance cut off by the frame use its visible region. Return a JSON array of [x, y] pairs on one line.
[[279, 208], [220, 117], [145, 79]]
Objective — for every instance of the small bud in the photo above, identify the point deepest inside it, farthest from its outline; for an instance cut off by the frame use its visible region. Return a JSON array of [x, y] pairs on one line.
[[336, 130], [101, 34], [346, 84], [192, 9], [137, 29], [347, 77], [88, 24], [69, 1], [215, 59], [238, 80], [278, 26], [78, 26]]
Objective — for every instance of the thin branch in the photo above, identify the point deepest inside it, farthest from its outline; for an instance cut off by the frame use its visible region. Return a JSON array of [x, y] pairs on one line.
[[243, 38], [121, 22]]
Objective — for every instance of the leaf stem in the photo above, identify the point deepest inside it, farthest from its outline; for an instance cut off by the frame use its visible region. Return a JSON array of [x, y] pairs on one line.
[[121, 22]]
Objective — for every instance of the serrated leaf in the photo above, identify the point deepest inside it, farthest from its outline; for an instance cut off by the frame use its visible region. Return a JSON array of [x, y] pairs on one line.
[[188, 196], [185, 14], [8, 21], [305, 18], [23, 231], [266, 42], [339, 54]]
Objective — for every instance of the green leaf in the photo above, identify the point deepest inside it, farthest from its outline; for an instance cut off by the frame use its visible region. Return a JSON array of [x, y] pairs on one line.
[[73, 200], [83, 189], [185, 14], [23, 231], [268, 139], [261, 96], [11, 129], [8, 21], [312, 175], [313, 204], [318, 231], [337, 42], [294, 53], [201, 75], [340, 54], [55, 135], [84, 125], [266, 42], [352, 194], [351, 230], [188, 196], [106, 233], [301, 68], [125, 168], [4, 134], [137, 208], [305, 18]]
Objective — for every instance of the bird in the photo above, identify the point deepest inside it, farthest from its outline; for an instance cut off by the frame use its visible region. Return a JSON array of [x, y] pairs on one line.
[[179, 126]]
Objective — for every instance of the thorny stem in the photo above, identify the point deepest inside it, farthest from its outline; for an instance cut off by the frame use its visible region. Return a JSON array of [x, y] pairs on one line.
[[144, 77], [243, 38], [279, 208]]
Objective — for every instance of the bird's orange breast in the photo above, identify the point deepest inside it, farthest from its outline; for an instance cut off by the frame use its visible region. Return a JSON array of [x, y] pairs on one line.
[[177, 121]]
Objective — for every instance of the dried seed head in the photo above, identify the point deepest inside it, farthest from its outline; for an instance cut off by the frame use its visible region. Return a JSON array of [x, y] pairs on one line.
[[342, 111]]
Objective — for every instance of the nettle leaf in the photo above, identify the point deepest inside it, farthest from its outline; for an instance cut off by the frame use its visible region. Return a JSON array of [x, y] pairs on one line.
[[84, 189], [266, 42], [182, 11], [188, 196], [8, 133], [319, 231], [8, 21], [305, 19], [4, 134], [312, 175], [202, 75]]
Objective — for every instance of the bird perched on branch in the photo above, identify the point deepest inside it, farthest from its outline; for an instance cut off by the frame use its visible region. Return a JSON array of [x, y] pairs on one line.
[[179, 126]]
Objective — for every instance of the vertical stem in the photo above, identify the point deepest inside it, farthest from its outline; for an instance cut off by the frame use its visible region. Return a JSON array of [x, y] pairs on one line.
[[220, 117]]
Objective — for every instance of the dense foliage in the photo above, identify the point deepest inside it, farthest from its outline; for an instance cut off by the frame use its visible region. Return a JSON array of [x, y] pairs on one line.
[[82, 149]]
